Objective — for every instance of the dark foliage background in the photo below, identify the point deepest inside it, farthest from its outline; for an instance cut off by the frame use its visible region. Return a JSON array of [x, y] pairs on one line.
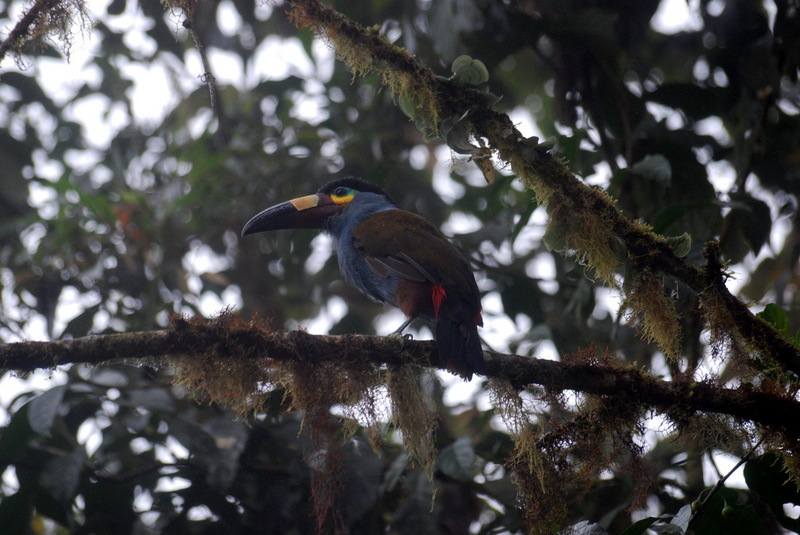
[[694, 132]]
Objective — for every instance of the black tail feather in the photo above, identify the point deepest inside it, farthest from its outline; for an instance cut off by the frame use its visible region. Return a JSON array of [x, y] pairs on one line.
[[459, 347]]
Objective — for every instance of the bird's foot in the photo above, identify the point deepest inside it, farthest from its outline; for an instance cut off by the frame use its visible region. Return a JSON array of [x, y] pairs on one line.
[[402, 327], [406, 336]]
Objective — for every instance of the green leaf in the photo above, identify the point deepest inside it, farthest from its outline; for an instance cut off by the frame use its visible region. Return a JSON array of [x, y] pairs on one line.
[[668, 529], [741, 519], [654, 167], [47, 505], [750, 224], [16, 436], [570, 145], [640, 527], [43, 409], [680, 245], [585, 528], [758, 224], [151, 399], [766, 476], [554, 237], [457, 132], [406, 106], [216, 447], [61, 474], [675, 212], [413, 515], [81, 324], [521, 295], [392, 476], [470, 71], [109, 377], [777, 317], [15, 513], [681, 519], [458, 459]]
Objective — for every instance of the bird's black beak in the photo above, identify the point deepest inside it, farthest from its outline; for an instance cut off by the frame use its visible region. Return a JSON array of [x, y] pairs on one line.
[[302, 212]]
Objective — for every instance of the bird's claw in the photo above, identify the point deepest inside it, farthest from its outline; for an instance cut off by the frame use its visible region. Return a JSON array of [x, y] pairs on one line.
[[406, 336]]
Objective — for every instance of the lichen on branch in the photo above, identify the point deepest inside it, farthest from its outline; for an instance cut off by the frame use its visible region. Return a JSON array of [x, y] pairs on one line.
[[229, 337]]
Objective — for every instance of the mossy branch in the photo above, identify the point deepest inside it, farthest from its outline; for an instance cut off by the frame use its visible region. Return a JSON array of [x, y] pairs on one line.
[[587, 218], [45, 18], [16, 37], [231, 339]]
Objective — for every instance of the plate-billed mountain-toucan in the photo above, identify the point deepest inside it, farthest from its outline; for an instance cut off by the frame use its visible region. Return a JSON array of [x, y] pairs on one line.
[[395, 257]]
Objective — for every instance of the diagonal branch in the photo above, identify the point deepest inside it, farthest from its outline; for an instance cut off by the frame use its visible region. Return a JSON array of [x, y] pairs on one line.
[[229, 337]]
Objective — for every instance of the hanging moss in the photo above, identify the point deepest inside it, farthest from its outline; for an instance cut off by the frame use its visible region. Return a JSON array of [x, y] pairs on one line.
[[656, 313]]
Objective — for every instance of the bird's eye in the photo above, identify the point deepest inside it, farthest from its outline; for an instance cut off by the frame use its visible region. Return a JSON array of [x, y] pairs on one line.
[[341, 192]]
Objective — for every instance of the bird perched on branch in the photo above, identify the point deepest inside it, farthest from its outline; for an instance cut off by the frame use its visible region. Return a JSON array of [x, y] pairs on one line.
[[396, 257]]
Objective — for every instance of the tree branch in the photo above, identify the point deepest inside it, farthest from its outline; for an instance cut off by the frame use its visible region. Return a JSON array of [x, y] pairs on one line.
[[230, 337], [23, 28]]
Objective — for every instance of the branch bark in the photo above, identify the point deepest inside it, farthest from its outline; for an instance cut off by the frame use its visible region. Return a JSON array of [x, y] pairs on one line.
[[228, 340]]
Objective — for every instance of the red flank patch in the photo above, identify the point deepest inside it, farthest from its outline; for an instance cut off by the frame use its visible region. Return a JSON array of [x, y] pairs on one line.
[[437, 296]]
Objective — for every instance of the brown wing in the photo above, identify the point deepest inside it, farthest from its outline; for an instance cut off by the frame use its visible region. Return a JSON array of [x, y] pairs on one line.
[[405, 244], [429, 266]]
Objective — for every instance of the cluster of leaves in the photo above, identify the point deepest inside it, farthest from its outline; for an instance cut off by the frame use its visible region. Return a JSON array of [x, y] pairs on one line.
[[651, 115]]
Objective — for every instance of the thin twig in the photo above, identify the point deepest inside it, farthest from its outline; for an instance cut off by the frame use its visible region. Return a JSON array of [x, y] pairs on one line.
[[721, 482], [209, 79]]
